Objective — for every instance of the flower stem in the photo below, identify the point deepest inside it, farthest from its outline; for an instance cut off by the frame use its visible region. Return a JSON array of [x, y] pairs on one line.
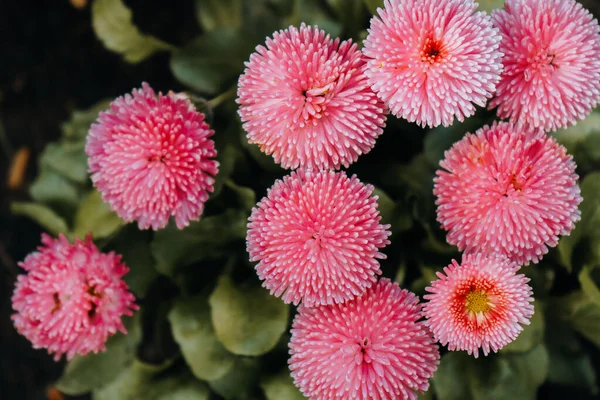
[[223, 97]]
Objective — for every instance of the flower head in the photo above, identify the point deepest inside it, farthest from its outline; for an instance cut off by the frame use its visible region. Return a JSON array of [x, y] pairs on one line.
[[305, 100], [431, 61], [152, 158], [72, 298], [478, 304], [507, 190], [371, 347], [317, 238], [551, 60]]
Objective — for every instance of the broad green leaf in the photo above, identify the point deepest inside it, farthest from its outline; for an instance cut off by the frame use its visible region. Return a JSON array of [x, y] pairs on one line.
[[351, 14], [588, 285], [266, 162], [570, 363], [68, 159], [212, 62], [372, 5], [209, 238], [247, 319], [240, 381], [531, 335], [583, 315], [113, 24], [52, 188], [134, 247], [575, 136], [193, 331], [78, 125], [490, 5], [450, 381], [214, 14], [95, 217], [85, 373], [43, 215], [280, 387], [589, 225], [511, 375], [179, 387]]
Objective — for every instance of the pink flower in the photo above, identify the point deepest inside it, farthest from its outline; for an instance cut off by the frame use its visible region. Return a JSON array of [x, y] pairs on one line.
[[372, 347], [317, 238], [507, 190], [305, 100], [551, 61], [72, 298], [151, 158], [478, 304], [429, 61]]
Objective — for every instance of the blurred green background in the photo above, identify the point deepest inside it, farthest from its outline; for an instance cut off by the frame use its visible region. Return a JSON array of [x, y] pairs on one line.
[[206, 330]]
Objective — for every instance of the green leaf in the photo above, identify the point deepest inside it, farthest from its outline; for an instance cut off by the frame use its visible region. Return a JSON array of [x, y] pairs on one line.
[[43, 215], [583, 315], [95, 217], [193, 331], [351, 14], [441, 139], [227, 159], [68, 159], [575, 136], [85, 373], [214, 14], [209, 238], [113, 24], [588, 285], [570, 363], [239, 382], [392, 213], [247, 319], [213, 61], [531, 335], [280, 387], [511, 375], [372, 5], [134, 247], [450, 381], [52, 188], [78, 125], [246, 196], [588, 226], [490, 5]]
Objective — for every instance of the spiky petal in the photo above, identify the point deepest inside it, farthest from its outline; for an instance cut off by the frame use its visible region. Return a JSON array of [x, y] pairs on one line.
[[479, 304], [372, 347]]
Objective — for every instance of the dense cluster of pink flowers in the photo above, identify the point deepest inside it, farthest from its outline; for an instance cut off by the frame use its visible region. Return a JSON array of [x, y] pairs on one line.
[[504, 194], [152, 158], [72, 297]]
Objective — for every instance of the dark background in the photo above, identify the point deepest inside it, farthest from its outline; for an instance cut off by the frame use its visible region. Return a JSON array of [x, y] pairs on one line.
[[51, 64]]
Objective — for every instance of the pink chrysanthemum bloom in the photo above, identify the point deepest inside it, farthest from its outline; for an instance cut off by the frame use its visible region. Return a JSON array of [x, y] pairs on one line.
[[317, 238], [551, 60], [152, 158], [371, 347], [478, 304], [72, 298], [431, 61], [305, 100], [507, 190]]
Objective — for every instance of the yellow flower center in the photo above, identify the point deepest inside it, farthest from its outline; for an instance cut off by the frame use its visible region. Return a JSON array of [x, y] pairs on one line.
[[477, 302]]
